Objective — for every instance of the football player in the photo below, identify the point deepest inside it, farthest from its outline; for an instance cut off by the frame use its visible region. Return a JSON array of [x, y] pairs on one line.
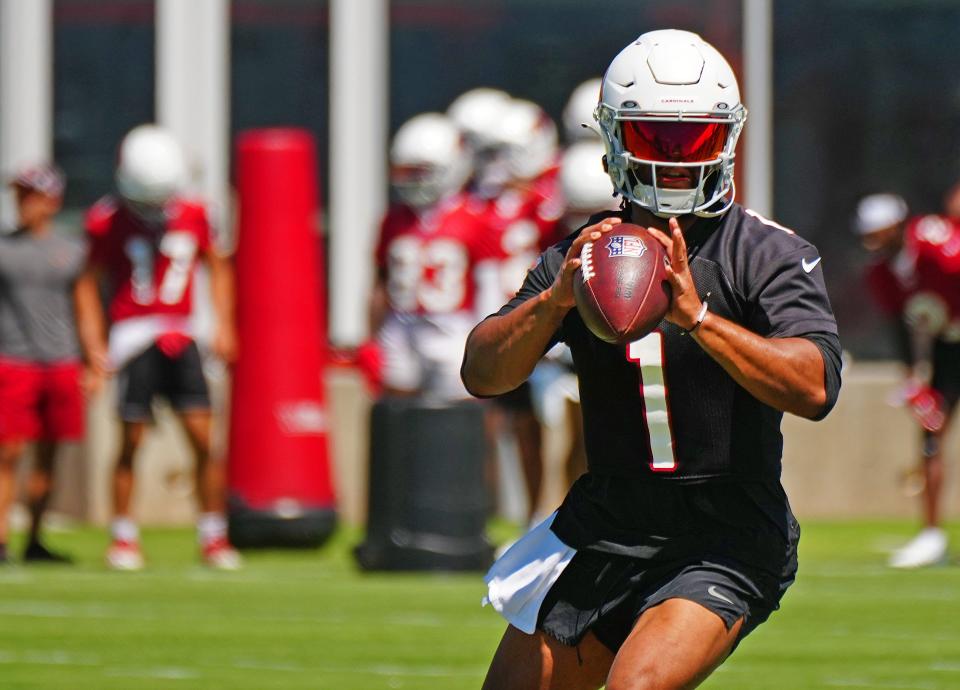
[[40, 365], [145, 244], [423, 301], [915, 280], [679, 540], [516, 197]]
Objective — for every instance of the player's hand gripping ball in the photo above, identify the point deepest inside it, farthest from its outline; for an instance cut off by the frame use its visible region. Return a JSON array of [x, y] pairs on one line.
[[621, 287]]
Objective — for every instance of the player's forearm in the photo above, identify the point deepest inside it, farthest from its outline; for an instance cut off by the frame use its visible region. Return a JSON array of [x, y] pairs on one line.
[[91, 324], [222, 291], [785, 373], [502, 350]]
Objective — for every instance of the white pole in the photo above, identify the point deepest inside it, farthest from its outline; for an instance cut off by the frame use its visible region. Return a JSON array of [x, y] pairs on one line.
[[26, 90], [758, 97], [358, 151], [193, 92]]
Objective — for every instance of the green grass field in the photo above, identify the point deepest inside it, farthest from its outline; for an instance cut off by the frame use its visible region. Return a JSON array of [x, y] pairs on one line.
[[310, 620]]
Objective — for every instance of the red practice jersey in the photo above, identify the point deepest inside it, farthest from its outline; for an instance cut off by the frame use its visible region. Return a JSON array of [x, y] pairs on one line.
[[523, 223], [428, 260], [150, 271], [923, 279]]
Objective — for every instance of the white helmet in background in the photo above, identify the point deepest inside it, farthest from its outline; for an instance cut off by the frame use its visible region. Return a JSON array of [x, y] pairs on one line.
[[878, 212], [428, 160], [670, 100], [579, 111], [528, 138], [478, 113], [584, 183], [152, 167]]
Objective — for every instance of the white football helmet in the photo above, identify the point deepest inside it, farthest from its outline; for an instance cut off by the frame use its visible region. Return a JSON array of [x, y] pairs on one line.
[[429, 160], [584, 183], [528, 140], [579, 111], [670, 104], [879, 212], [478, 113], [152, 167]]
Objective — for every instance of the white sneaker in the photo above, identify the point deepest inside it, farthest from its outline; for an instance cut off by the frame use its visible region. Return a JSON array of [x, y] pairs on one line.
[[219, 555], [927, 548], [124, 555]]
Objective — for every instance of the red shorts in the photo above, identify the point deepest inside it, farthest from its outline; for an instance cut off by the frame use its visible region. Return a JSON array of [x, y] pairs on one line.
[[40, 401]]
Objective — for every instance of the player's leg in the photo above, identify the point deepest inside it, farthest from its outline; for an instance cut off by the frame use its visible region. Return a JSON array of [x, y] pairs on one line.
[[673, 645], [215, 548], [137, 384], [929, 547], [10, 452], [932, 478], [124, 552], [528, 433], [538, 662], [63, 420], [19, 422], [39, 486], [186, 389]]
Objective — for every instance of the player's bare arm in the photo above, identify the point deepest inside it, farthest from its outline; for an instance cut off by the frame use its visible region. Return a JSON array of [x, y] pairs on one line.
[[785, 373], [222, 290], [91, 326], [502, 350]]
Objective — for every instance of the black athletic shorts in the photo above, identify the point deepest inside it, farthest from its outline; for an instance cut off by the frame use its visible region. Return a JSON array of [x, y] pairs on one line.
[[520, 398], [151, 373], [606, 594], [946, 371], [946, 381], [730, 547]]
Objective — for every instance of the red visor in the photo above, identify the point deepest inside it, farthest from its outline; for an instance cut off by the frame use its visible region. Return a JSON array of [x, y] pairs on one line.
[[674, 142]]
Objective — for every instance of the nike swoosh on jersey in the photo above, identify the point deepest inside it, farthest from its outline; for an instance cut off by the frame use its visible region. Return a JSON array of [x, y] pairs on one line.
[[807, 267], [712, 591]]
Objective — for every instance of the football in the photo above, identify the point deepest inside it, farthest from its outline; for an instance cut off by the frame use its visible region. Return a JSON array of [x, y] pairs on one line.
[[621, 288]]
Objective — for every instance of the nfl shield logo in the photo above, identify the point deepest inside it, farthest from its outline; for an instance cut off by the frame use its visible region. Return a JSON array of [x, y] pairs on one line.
[[624, 245]]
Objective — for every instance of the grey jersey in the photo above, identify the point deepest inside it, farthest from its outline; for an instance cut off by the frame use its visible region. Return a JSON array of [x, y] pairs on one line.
[[37, 276]]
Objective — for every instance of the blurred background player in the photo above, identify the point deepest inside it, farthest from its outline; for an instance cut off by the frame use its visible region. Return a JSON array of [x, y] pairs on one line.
[[40, 365], [915, 280], [145, 245], [423, 302], [514, 194]]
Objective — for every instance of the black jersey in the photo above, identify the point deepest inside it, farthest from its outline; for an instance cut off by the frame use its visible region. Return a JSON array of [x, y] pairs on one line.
[[661, 408]]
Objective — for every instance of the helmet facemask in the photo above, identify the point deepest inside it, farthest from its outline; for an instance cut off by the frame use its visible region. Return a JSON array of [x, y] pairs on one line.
[[642, 144], [423, 185]]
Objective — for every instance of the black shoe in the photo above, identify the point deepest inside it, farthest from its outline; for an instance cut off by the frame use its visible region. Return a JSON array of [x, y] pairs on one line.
[[38, 553]]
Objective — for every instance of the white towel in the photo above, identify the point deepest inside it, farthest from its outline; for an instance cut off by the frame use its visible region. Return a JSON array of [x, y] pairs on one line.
[[519, 580]]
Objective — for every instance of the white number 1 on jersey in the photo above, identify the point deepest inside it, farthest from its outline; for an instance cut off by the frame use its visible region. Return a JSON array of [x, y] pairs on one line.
[[647, 353]]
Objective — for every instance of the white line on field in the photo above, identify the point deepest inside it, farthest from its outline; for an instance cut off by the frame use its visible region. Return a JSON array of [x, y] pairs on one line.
[[48, 657], [874, 683], [390, 670], [166, 672]]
